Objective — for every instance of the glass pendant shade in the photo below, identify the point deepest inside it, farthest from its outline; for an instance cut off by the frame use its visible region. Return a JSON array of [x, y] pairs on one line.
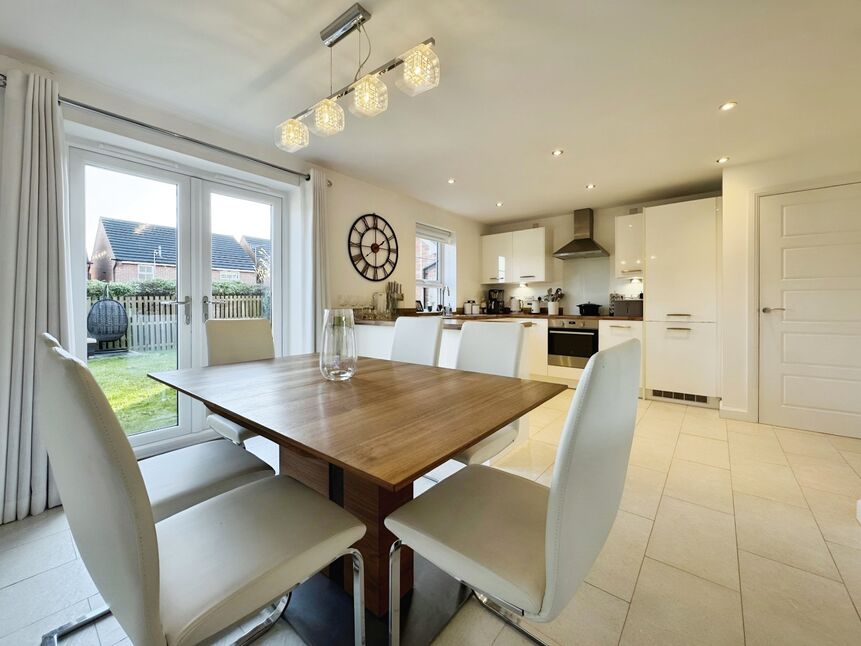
[[328, 118], [370, 96], [292, 135], [420, 70]]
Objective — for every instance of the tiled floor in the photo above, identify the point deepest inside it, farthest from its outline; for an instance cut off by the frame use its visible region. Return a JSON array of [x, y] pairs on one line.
[[728, 533]]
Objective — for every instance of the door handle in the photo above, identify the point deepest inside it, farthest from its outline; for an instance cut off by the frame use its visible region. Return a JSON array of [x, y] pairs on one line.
[[186, 302], [769, 310], [206, 301]]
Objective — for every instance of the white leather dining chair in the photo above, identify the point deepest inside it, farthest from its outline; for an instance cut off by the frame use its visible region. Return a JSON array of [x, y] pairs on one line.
[[493, 348], [201, 571], [184, 477], [525, 549], [417, 340], [235, 341]]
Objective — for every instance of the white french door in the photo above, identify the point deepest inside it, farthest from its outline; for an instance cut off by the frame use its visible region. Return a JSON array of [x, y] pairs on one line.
[[810, 310], [164, 251]]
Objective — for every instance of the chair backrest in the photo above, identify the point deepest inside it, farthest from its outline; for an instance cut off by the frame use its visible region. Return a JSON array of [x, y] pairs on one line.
[[589, 474], [103, 493], [238, 340], [490, 347], [417, 340]]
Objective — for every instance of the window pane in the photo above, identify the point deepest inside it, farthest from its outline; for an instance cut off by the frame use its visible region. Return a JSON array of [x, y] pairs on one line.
[[241, 258], [427, 259]]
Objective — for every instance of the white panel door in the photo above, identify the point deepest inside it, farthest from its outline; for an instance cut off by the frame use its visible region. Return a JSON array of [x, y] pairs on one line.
[[681, 261], [810, 310]]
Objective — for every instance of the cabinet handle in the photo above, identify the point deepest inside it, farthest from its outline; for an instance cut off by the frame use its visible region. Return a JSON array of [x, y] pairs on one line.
[[680, 329], [622, 327], [679, 314], [631, 271], [529, 276], [768, 310]]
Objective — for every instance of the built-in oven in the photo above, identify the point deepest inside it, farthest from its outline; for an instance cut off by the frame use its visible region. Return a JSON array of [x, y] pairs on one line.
[[570, 342]]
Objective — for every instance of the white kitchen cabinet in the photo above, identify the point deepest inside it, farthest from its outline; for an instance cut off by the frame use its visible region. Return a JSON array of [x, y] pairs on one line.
[[497, 258], [629, 246], [374, 341], [681, 261], [535, 347], [612, 333], [531, 256], [681, 357]]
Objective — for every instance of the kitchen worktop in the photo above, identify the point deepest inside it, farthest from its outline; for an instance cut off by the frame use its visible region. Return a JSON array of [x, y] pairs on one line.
[[455, 321]]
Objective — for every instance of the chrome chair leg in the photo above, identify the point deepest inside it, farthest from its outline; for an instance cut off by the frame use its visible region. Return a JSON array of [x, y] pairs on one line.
[[52, 638], [395, 594], [358, 597], [271, 619], [510, 615]]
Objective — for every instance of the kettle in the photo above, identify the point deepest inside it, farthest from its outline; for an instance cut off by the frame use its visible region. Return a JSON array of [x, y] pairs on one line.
[[536, 306], [515, 304]]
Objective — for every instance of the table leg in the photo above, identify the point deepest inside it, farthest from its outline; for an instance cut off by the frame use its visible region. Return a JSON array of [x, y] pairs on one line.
[[371, 504]]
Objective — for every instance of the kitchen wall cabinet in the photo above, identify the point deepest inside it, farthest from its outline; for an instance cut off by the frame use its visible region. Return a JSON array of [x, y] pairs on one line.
[[682, 357], [516, 257], [629, 252], [681, 261], [497, 258], [612, 333], [531, 256]]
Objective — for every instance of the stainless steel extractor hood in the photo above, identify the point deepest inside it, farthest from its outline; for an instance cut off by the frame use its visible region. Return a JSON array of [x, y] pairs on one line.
[[583, 245]]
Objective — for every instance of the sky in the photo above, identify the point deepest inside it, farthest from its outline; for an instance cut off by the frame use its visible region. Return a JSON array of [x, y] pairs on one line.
[[111, 194]]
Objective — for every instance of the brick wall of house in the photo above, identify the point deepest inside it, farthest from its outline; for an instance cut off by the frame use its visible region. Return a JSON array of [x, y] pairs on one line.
[[128, 271]]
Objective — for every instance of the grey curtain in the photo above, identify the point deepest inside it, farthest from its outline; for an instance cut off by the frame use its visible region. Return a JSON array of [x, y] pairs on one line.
[[34, 280]]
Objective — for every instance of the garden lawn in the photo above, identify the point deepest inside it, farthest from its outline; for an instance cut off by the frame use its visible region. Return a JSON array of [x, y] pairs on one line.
[[141, 404]]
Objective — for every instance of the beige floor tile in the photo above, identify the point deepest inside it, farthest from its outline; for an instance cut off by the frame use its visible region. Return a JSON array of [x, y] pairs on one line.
[[701, 484], [593, 618], [541, 417], [782, 533], [695, 539], [32, 527], [772, 481], [747, 427], [825, 474], [761, 447], [841, 443], [547, 477], [666, 409], [511, 637], [551, 433], [703, 450], [658, 429], [34, 557], [32, 633], [473, 624], [528, 461], [674, 608], [848, 561], [651, 453], [702, 412], [714, 429], [618, 565], [835, 515], [854, 460], [785, 605], [815, 445], [562, 401], [643, 488]]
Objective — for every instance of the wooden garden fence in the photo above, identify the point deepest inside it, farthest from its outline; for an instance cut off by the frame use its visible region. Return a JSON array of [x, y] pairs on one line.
[[153, 326]]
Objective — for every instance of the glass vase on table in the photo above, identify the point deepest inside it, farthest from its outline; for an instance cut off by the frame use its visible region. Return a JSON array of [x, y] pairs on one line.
[[338, 356]]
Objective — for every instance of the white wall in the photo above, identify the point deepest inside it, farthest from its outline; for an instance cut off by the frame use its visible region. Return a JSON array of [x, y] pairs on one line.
[[583, 279], [348, 198], [835, 163]]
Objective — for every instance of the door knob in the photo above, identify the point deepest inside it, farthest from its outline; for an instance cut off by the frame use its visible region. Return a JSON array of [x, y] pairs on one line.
[[768, 310]]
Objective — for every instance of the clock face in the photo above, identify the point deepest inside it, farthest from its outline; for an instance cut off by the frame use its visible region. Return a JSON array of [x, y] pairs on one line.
[[373, 247]]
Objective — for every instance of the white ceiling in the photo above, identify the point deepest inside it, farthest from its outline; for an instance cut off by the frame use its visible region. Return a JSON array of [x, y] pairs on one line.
[[629, 88]]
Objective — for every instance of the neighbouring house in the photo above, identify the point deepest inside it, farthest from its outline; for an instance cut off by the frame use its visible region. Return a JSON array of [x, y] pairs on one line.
[[260, 251], [125, 250]]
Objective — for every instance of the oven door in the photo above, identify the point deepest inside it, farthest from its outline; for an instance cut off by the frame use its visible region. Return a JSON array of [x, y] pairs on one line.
[[571, 348]]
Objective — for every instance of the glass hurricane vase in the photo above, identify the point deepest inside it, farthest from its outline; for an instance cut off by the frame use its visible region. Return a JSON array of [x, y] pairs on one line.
[[338, 356]]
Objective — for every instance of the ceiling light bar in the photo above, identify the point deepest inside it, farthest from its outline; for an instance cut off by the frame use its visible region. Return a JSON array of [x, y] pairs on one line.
[[344, 24], [388, 66]]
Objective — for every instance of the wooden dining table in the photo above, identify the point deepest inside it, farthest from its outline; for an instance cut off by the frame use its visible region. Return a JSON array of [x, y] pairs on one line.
[[364, 441]]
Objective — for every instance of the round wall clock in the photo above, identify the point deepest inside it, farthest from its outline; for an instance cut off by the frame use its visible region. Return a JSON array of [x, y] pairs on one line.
[[373, 247]]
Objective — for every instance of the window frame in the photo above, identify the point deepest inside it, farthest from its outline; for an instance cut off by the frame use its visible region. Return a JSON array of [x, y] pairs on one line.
[[236, 276], [151, 270], [439, 284]]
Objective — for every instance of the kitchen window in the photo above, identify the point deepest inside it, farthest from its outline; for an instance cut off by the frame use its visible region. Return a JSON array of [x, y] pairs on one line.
[[435, 267]]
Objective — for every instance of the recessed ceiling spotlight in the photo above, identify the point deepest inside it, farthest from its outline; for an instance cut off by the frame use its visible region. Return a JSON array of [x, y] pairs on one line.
[[499, 204], [558, 152], [722, 160], [729, 105], [589, 187], [451, 180]]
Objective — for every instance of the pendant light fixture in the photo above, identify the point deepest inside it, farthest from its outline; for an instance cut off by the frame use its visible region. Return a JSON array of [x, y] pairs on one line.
[[370, 96]]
